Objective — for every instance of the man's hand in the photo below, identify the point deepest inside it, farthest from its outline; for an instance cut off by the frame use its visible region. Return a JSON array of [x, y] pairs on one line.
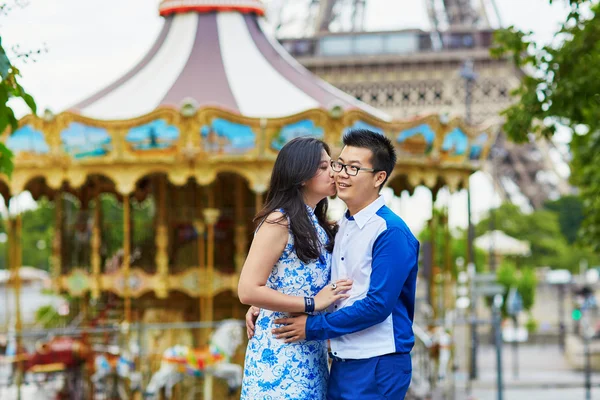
[[294, 329], [251, 316]]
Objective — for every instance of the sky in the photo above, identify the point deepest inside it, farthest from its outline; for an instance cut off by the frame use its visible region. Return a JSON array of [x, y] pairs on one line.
[[88, 44]]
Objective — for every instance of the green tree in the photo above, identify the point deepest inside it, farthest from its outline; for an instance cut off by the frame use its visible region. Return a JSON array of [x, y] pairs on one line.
[[526, 287], [507, 277], [523, 280], [570, 215], [542, 229], [562, 88], [9, 88], [37, 233], [457, 241]]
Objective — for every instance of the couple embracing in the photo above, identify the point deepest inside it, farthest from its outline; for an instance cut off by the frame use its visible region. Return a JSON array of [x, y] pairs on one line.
[[309, 280]]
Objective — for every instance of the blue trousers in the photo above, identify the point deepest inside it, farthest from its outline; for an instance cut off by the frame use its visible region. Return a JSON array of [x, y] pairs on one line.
[[377, 378]]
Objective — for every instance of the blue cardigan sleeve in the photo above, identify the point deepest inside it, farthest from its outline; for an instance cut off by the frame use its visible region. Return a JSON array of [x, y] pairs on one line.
[[394, 257]]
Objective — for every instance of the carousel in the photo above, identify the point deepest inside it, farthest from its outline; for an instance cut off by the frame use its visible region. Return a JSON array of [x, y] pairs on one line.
[[155, 179]]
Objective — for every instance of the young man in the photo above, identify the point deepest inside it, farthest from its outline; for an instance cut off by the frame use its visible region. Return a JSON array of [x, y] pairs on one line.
[[371, 331]]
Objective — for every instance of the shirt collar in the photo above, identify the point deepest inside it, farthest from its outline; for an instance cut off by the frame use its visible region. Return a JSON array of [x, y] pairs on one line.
[[364, 215]]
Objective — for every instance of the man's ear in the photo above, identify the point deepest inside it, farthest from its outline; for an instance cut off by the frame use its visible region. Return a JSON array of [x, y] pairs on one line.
[[380, 178]]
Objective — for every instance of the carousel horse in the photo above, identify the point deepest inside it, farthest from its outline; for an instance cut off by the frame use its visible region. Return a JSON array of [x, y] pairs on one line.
[[114, 367], [178, 361], [58, 354], [442, 350], [64, 356]]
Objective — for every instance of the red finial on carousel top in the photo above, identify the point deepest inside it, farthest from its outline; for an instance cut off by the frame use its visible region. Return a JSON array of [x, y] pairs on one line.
[[168, 7]]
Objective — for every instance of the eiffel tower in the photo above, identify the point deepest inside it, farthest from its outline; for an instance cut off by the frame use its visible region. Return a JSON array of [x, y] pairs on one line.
[[408, 72]]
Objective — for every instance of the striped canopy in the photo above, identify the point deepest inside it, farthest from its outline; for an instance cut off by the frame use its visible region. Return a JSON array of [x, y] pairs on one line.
[[217, 53]]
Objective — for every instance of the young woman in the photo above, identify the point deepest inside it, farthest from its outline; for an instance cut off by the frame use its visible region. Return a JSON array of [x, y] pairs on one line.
[[288, 271]]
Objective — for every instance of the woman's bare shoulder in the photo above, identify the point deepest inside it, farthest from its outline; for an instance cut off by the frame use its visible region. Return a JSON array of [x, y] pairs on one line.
[[277, 218]]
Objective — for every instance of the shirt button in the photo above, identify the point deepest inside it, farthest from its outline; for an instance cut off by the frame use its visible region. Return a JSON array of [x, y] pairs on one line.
[[342, 258], [335, 306], [335, 353]]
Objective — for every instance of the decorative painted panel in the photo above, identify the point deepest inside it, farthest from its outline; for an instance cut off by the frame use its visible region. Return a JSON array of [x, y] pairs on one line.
[[139, 282], [305, 127], [417, 140], [477, 146], [81, 141], [223, 136], [154, 136], [455, 143], [76, 283], [27, 140]]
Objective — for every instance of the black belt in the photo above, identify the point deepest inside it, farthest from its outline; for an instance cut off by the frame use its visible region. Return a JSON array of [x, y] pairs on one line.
[[339, 359]]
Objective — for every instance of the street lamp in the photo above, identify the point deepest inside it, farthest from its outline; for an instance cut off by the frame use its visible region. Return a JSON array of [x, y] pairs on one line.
[[497, 321], [471, 271], [468, 74]]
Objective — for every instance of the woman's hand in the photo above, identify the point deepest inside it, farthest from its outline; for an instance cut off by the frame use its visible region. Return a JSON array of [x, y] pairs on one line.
[[251, 316], [332, 293]]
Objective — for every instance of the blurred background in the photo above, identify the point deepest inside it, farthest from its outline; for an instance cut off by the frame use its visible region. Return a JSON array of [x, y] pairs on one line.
[[137, 147]]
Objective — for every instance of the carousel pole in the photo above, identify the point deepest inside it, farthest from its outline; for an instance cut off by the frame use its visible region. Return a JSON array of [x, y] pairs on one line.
[[162, 241], [8, 265], [200, 242], [18, 264], [448, 303], [57, 242], [95, 284], [88, 367], [126, 257], [16, 260], [241, 239], [211, 216], [96, 241]]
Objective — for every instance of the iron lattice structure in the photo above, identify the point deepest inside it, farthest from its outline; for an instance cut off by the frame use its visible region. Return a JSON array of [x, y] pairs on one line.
[[420, 75]]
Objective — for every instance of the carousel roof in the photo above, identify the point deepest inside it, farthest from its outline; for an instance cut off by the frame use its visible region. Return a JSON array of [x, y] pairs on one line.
[[217, 53]]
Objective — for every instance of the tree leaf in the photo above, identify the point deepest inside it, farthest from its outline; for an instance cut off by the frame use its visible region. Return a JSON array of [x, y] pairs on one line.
[[6, 160], [30, 102]]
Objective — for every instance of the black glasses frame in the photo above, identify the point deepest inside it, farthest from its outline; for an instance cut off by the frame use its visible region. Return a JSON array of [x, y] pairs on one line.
[[351, 170]]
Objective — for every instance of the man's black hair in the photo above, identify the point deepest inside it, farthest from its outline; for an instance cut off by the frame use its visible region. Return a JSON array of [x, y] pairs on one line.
[[384, 154]]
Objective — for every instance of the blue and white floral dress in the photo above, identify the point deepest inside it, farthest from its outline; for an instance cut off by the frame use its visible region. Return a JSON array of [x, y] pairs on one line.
[[275, 370]]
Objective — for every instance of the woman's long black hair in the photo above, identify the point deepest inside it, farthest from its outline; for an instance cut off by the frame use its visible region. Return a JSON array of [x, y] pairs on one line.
[[297, 162]]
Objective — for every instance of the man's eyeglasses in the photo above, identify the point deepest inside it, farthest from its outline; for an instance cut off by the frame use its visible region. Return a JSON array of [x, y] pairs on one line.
[[351, 170]]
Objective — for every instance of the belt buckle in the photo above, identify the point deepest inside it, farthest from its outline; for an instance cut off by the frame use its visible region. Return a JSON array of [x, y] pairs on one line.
[[336, 358]]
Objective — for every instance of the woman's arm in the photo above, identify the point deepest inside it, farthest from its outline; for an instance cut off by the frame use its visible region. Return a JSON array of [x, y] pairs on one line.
[[268, 245]]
